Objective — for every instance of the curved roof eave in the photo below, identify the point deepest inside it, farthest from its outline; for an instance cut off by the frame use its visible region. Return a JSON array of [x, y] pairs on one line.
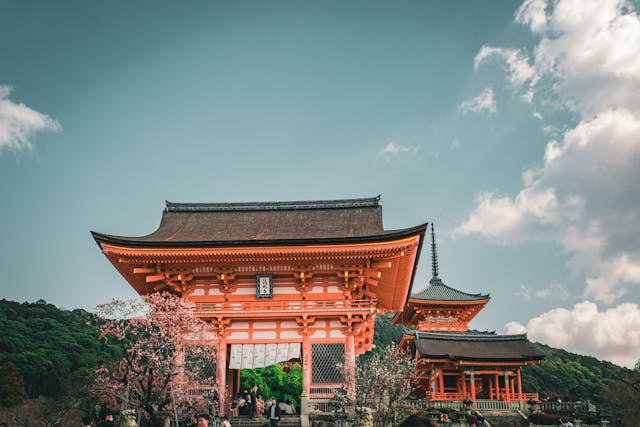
[[135, 242]]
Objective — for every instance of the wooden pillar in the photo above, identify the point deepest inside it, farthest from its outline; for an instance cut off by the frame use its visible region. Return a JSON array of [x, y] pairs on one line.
[[507, 396], [464, 383], [441, 379], [490, 387], [221, 373], [496, 383], [519, 384], [350, 366], [473, 386], [307, 361]]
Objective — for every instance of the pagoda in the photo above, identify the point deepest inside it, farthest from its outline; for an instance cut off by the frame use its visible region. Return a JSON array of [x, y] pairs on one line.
[[277, 281], [454, 363]]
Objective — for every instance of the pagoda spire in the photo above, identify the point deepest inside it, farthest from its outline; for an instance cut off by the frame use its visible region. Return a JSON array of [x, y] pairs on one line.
[[434, 253]]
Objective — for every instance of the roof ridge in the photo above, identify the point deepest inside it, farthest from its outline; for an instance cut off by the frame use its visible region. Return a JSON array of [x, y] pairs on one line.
[[462, 336], [270, 206]]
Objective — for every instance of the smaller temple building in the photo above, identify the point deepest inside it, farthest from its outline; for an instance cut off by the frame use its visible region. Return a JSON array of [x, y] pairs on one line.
[[452, 362]]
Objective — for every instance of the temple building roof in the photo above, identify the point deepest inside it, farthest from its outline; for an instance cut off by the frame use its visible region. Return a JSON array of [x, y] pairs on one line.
[[475, 346], [438, 291], [299, 222]]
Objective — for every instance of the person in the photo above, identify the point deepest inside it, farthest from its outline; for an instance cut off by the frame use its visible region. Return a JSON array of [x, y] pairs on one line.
[[444, 419], [226, 422], [416, 420], [203, 420], [107, 418], [86, 421], [260, 406], [274, 413], [253, 396]]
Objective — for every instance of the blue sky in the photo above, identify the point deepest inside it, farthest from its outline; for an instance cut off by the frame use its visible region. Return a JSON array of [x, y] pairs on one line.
[[515, 127]]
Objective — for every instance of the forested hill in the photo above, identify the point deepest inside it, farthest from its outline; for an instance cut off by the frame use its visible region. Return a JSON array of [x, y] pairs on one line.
[[45, 351]]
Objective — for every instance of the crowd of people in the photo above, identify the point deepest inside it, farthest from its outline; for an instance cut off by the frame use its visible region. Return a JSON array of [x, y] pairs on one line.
[[247, 403]]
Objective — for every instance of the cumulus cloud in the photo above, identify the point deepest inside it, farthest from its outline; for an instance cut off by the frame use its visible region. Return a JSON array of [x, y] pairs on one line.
[[584, 194], [612, 334], [484, 102], [19, 123], [392, 149]]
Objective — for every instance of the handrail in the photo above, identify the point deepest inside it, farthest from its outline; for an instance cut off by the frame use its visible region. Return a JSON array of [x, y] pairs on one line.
[[239, 307]]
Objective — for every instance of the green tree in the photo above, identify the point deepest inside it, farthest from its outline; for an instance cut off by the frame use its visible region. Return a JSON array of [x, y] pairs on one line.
[[282, 381], [12, 389]]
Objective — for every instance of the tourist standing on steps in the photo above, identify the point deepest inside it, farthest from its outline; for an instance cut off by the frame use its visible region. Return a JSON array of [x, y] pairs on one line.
[[274, 413], [253, 395], [86, 421], [259, 406]]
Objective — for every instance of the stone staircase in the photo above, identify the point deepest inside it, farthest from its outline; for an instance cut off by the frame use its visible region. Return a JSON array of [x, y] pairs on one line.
[[245, 421], [504, 418]]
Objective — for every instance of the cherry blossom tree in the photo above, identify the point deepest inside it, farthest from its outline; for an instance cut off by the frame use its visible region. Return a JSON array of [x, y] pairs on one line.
[[382, 382], [154, 335]]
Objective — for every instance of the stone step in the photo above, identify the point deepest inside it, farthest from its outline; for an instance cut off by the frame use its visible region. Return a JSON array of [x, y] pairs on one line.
[[244, 421], [505, 419]]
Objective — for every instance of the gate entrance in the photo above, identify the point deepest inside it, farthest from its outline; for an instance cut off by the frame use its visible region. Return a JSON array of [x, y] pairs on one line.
[[301, 278]]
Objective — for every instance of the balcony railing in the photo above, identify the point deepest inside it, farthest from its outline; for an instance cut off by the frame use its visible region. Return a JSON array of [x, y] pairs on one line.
[[251, 308]]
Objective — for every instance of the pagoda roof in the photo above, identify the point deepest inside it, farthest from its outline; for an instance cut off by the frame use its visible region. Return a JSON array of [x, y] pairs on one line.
[[475, 346], [438, 291], [258, 223]]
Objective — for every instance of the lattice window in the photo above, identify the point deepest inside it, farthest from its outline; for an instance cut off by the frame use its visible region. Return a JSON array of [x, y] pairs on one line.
[[327, 363], [201, 362]]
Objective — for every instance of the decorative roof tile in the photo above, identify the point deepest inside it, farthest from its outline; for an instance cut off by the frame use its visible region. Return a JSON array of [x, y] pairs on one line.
[[438, 291], [475, 346], [298, 222]]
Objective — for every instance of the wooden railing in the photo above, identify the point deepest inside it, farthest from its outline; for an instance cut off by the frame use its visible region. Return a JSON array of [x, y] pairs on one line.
[[250, 308]]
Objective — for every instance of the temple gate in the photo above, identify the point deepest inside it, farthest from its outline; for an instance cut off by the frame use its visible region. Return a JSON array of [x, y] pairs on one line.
[[277, 281]]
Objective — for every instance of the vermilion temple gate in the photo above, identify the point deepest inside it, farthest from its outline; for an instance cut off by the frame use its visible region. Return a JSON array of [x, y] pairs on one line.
[[278, 281]]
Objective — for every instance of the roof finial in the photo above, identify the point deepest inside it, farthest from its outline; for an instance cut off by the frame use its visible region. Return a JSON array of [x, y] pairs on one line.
[[434, 254]]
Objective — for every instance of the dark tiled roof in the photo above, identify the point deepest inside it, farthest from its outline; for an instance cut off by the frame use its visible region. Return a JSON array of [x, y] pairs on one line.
[[475, 346], [272, 222], [371, 202], [438, 291]]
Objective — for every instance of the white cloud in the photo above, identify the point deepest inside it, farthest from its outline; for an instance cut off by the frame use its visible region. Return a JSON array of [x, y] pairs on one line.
[[18, 123], [483, 102], [519, 70], [612, 334], [585, 194], [455, 143], [394, 149]]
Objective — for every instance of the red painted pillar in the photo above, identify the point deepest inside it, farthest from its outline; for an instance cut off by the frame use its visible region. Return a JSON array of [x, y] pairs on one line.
[[441, 379], [464, 383], [519, 384], [221, 373], [350, 366], [507, 396], [473, 387], [490, 388], [307, 360]]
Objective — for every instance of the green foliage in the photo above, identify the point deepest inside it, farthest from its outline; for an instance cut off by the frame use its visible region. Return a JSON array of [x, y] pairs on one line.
[[54, 350], [575, 377], [12, 389], [274, 381]]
